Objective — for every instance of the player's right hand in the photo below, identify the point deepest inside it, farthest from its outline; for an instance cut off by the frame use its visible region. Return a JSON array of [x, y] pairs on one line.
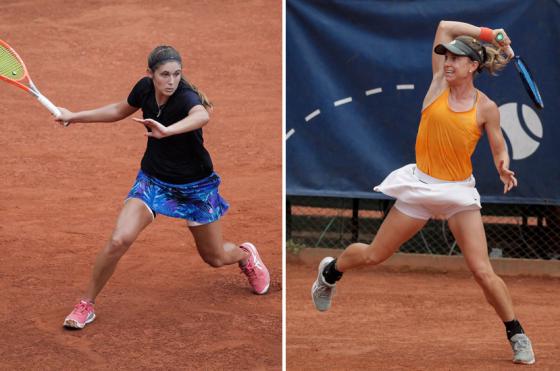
[[65, 117], [504, 44]]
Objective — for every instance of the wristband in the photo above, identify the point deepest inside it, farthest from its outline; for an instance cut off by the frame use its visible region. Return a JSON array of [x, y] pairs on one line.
[[486, 34]]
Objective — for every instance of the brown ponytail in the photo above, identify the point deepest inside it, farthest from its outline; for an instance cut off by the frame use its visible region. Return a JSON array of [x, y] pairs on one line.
[[203, 98], [166, 53]]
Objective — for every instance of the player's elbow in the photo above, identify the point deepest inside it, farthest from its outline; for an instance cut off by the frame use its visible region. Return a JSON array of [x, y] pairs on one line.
[[121, 111], [204, 117], [443, 25]]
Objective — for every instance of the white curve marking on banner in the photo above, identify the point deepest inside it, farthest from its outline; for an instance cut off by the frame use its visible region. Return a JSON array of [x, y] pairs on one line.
[[374, 91], [522, 144], [290, 133], [405, 87], [532, 121], [340, 102], [312, 114]]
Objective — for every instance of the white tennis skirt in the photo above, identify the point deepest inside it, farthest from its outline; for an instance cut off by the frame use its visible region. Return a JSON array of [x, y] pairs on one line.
[[423, 197]]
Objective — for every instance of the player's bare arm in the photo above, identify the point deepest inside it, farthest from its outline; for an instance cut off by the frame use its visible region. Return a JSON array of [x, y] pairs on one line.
[[109, 113], [198, 117], [491, 116]]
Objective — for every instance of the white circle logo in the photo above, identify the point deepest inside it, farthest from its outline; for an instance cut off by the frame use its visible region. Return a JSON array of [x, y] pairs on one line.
[[522, 144]]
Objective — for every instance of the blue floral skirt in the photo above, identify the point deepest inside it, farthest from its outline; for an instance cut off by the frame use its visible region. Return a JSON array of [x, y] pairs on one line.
[[197, 202]]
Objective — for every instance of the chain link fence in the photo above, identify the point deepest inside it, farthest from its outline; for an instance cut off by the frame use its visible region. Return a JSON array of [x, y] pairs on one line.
[[512, 230]]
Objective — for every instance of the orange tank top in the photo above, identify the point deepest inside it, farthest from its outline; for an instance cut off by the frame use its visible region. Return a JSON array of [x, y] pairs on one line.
[[446, 140]]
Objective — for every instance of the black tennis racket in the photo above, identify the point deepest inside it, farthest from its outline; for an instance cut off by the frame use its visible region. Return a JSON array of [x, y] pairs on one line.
[[526, 76]]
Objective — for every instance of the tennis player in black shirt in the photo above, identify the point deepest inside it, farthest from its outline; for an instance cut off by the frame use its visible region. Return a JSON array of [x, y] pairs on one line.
[[176, 177]]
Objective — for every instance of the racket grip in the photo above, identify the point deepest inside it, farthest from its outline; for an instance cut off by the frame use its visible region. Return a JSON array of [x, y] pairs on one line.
[[48, 105], [510, 53]]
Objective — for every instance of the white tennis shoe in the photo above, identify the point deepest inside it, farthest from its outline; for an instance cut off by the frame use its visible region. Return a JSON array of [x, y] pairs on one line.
[[322, 291]]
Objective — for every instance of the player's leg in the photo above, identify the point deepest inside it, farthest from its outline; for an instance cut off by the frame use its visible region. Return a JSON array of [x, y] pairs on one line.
[[134, 217], [213, 249], [468, 230], [396, 229], [216, 252]]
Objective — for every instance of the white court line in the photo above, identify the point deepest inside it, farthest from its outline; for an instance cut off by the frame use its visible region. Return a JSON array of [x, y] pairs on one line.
[[312, 114], [340, 102], [290, 133], [405, 87], [374, 91]]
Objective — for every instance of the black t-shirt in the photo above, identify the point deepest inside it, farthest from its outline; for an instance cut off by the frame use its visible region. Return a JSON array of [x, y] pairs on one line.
[[179, 158]]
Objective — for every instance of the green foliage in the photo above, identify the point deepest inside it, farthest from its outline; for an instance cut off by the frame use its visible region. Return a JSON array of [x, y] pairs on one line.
[[293, 247]]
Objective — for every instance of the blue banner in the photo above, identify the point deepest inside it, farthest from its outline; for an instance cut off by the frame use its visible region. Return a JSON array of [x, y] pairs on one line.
[[356, 75]]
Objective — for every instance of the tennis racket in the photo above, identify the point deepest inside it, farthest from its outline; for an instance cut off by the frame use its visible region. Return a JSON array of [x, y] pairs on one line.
[[526, 76], [528, 82], [13, 71]]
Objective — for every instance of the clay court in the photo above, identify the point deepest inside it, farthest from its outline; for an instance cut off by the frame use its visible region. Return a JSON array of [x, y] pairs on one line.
[[392, 319], [62, 189]]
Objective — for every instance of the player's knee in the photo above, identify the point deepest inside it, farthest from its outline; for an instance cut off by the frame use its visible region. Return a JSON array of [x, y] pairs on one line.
[[370, 258], [212, 260], [483, 275], [119, 244]]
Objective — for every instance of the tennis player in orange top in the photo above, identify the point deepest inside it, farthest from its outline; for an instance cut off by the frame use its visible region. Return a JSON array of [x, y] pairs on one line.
[[454, 116]]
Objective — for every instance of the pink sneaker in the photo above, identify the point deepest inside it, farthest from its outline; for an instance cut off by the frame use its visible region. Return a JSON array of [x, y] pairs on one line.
[[255, 270], [82, 314]]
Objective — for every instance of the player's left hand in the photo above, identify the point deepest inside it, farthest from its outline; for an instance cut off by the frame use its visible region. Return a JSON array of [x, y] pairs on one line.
[[507, 177], [158, 131]]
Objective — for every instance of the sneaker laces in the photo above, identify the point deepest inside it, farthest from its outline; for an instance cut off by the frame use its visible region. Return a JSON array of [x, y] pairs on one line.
[[249, 270], [81, 307], [323, 290], [521, 344]]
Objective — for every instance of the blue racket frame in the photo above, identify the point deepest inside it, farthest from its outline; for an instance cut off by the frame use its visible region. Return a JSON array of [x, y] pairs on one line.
[[528, 82]]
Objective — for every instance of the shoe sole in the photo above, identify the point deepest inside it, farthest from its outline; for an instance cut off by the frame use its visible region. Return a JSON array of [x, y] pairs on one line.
[[70, 323], [262, 292], [322, 265], [253, 248], [524, 363]]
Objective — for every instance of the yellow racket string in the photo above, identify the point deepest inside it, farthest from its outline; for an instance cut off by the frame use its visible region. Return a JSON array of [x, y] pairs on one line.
[[10, 66]]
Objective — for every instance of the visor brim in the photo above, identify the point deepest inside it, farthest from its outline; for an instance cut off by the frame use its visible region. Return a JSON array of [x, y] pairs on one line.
[[441, 49]]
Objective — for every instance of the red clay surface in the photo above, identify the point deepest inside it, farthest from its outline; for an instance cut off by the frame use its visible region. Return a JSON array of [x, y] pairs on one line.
[[384, 319], [62, 189]]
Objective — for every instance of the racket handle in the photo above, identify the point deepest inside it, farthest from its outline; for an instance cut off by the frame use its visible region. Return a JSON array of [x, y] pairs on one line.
[[510, 53], [48, 105]]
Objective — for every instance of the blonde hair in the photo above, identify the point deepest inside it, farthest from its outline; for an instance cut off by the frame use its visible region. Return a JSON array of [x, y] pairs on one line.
[[495, 61], [165, 53], [490, 58]]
